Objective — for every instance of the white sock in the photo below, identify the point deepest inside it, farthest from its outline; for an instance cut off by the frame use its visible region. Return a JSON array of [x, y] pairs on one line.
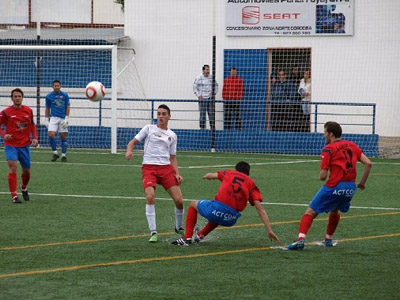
[[179, 214], [151, 217], [55, 152]]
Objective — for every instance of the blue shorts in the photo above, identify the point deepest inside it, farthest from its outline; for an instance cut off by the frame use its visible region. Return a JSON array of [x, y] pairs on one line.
[[21, 154], [218, 212], [326, 199]]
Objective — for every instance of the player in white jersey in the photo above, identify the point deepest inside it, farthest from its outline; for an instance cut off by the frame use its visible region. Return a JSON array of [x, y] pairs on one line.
[[159, 166]]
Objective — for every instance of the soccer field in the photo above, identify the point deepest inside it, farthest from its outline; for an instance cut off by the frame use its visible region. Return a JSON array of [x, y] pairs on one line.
[[84, 234]]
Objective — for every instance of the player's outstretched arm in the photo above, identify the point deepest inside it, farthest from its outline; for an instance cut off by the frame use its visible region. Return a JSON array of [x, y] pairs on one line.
[[129, 148], [323, 174], [211, 176], [367, 169], [264, 217], [174, 164]]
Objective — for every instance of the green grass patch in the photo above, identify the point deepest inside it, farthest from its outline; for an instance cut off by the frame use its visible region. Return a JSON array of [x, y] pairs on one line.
[[84, 234]]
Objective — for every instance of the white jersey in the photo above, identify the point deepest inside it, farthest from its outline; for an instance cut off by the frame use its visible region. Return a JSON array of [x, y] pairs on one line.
[[159, 145]]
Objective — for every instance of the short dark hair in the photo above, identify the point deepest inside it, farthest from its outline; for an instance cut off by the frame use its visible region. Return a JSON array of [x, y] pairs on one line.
[[165, 107], [233, 68], [56, 81], [243, 167], [17, 90], [333, 127], [205, 66]]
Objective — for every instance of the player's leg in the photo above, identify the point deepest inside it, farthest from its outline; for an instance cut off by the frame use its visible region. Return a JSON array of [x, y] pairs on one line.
[[211, 113], [305, 224], [340, 203], [176, 195], [238, 119], [191, 220], [202, 110], [24, 157], [206, 230], [151, 212], [25, 176], [206, 209], [52, 138], [227, 115], [334, 218], [64, 145], [12, 180], [149, 185], [12, 158]]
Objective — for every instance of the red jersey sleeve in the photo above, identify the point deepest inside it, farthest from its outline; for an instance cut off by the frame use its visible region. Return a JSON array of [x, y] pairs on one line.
[[2, 121], [221, 175], [255, 195], [33, 128], [325, 159], [240, 89], [225, 88]]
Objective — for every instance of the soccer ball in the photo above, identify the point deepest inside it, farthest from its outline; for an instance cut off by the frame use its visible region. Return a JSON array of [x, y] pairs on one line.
[[95, 91]]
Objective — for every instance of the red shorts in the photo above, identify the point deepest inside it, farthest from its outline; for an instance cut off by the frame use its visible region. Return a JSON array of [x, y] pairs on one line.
[[155, 174]]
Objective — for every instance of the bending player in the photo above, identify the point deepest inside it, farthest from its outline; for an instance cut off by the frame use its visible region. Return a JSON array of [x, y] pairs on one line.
[[236, 189]]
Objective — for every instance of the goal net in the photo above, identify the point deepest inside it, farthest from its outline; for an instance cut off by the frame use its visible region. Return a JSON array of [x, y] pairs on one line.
[[290, 85], [109, 123]]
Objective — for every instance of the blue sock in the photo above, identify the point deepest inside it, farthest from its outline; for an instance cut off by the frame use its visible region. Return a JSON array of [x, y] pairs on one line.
[[64, 146], [53, 144]]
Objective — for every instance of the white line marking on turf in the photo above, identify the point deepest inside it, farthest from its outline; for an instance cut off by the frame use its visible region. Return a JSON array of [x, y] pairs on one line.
[[253, 164], [188, 167], [169, 199], [356, 207]]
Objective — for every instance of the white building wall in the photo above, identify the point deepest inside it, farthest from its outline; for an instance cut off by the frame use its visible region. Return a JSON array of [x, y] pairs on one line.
[[173, 39]]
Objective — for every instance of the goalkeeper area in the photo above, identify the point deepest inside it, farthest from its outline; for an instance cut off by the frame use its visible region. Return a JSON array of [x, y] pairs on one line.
[[84, 233]]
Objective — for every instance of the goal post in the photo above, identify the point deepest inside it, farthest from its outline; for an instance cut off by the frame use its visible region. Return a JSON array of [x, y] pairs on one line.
[[74, 66]]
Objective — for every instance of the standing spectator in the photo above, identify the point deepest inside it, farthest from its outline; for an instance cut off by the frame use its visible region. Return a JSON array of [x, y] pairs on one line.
[[295, 78], [202, 88], [57, 108], [305, 94], [160, 166], [294, 110], [338, 158], [282, 92], [232, 93], [20, 126]]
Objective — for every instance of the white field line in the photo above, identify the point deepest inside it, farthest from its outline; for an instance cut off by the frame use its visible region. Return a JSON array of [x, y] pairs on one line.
[[188, 167], [186, 200]]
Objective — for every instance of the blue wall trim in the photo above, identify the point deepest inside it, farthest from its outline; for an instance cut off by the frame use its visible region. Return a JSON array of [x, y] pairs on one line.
[[225, 141]]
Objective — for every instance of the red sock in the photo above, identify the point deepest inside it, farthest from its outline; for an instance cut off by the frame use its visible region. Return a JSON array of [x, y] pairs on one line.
[[25, 176], [332, 224], [208, 228], [12, 184], [305, 224], [191, 220]]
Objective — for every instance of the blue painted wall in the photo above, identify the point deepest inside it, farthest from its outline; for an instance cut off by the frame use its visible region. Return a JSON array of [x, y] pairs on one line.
[[235, 141], [251, 65]]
